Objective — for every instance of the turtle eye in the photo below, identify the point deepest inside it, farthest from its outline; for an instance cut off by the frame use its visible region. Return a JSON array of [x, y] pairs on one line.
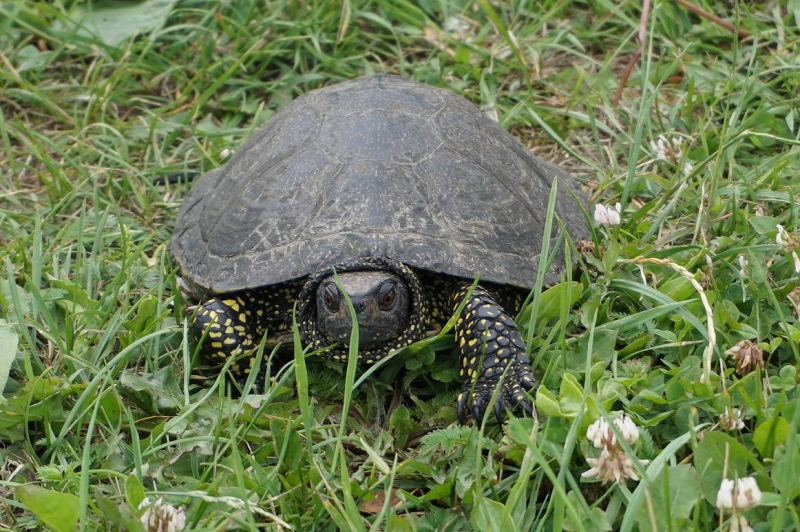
[[388, 298], [331, 298]]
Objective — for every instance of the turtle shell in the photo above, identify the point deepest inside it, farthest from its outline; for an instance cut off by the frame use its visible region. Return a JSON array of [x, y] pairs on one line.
[[375, 167]]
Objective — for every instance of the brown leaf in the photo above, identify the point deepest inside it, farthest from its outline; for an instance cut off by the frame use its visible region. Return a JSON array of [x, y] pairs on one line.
[[375, 505]]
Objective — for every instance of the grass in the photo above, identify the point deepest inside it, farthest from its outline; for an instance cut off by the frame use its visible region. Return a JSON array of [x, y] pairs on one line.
[[99, 411]]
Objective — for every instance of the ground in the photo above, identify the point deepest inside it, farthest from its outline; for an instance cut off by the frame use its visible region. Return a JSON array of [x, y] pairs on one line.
[[683, 316]]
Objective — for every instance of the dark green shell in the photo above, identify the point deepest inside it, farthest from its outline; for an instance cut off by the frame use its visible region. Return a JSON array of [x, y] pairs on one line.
[[375, 167]]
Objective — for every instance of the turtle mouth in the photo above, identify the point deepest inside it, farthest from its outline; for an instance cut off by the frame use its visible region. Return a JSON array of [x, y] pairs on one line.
[[369, 338]]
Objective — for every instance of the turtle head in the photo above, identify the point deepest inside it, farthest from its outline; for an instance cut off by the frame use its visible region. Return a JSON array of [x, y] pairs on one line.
[[382, 302]]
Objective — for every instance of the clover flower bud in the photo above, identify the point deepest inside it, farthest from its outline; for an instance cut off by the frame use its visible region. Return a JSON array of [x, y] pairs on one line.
[[599, 433], [628, 428], [743, 264], [725, 495], [747, 493]]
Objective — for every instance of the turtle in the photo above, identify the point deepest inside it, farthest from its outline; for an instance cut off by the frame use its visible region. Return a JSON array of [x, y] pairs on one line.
[[400, 194]]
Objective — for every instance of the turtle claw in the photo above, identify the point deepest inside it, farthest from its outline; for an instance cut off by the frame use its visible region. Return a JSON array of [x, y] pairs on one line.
[[512, 395], [480, 404], [478, 411], [526, 407], [461, 407], [524, 377], [499, 410]]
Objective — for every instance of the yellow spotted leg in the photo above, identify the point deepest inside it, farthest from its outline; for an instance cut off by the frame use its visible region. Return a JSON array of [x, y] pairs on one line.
[[233, 329], [489, 342]]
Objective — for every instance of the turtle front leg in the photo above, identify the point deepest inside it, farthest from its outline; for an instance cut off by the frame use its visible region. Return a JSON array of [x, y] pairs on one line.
[[490, 342], [233, 329]]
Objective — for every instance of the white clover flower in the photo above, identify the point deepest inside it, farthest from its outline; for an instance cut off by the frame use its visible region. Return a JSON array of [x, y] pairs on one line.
[[779, 237], [612, 465], [731, 422], [660, 147], [161, 516], [607, 215], [739, 494], [669, 150]]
